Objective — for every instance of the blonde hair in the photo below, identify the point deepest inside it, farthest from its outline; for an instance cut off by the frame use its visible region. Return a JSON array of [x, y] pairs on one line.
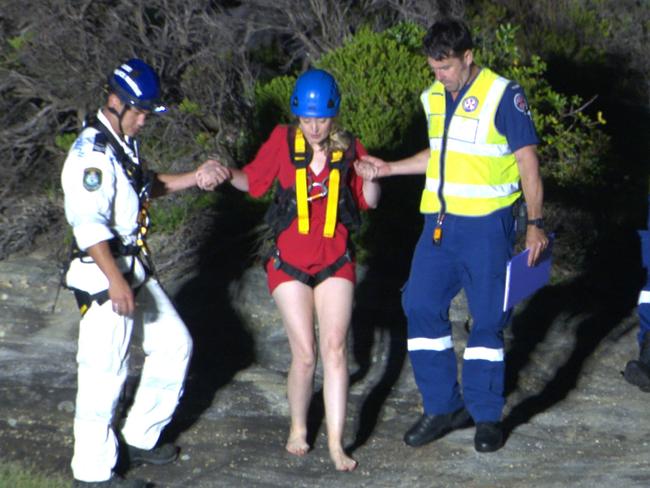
[[337, 140]]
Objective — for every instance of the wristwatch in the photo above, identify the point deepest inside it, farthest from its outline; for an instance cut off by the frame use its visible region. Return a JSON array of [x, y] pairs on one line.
[[539, 223]]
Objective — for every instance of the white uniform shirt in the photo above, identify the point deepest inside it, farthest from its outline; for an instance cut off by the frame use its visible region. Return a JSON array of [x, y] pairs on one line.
[[100, 203]]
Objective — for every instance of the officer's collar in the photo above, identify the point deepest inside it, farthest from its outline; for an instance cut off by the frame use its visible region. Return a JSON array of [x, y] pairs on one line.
[[125, 141]]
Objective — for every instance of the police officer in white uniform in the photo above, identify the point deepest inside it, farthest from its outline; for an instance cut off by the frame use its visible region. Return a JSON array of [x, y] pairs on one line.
[[106, 196]]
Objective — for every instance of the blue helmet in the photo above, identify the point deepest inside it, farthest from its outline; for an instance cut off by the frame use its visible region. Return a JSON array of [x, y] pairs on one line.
[[315, 94], [137, 85]]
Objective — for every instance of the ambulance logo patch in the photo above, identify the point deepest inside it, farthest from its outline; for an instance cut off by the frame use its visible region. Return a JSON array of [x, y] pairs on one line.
[[92, 179], [470, 104], [520, 103]]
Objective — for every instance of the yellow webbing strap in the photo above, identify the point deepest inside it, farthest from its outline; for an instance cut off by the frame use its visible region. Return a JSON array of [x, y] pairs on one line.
[[301, 184], [333, 194]]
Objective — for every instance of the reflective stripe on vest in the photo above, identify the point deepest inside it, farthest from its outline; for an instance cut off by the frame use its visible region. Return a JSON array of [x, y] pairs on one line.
[[302, 201], [479, 172]]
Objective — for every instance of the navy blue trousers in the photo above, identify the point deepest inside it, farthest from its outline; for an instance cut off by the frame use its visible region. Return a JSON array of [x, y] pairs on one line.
[[472, 255], [644, 297]]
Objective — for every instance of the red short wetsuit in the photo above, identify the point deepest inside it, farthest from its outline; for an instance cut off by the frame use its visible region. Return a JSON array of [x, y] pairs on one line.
[[308, 252]]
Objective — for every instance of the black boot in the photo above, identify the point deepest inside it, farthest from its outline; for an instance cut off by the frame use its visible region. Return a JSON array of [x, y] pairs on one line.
[[431, 427], [637, 372], [488, 437], [164, 454]]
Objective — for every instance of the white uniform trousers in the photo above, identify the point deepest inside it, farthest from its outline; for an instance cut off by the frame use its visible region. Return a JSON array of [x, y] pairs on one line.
[[102, 359]]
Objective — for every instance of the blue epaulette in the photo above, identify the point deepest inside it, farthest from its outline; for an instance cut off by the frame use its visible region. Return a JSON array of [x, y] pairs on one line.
[[100, 142]]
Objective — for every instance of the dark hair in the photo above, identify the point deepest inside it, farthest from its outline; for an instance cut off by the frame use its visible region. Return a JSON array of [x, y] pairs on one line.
[[447, 37]]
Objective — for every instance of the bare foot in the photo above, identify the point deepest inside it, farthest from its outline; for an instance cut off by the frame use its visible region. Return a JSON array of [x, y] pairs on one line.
[[297, 444], [343, 462]]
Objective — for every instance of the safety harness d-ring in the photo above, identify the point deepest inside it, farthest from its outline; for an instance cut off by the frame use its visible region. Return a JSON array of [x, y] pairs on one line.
[[318, 185]]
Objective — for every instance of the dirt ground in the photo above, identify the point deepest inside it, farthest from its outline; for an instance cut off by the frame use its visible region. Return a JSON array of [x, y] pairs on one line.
[[571, 419]]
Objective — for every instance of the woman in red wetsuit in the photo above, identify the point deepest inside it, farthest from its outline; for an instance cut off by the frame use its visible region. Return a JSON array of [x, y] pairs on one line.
[[311, 269]]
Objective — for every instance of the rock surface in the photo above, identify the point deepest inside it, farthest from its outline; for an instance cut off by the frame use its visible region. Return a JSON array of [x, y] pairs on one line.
[[571, 419]]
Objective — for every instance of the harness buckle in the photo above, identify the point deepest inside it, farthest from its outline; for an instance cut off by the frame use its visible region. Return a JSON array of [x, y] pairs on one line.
[[318, 185], [276, 259]]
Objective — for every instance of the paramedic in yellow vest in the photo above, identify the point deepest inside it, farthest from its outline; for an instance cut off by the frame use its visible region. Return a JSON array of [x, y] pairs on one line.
[[481, 156]]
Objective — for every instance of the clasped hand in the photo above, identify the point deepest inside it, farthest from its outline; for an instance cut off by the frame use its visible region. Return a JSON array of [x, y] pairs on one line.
[[211, 174], [365, 170]]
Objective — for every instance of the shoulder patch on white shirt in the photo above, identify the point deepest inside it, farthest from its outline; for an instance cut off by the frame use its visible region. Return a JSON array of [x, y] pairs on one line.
[[92, 180]]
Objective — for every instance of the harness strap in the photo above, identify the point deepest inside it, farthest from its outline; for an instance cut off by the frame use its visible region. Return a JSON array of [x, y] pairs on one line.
[[301, 160], [85, 299], [141, 181], [311, 280], [117, 247], [333, 194]]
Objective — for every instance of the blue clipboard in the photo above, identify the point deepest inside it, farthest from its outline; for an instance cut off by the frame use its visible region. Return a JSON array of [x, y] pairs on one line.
[[521, 280]]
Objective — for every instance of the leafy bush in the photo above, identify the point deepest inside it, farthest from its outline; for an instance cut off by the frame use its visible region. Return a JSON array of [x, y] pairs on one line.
[[579, 30], [382, 74], [19, 476], [572, 146], [271, 107], [168, 215]]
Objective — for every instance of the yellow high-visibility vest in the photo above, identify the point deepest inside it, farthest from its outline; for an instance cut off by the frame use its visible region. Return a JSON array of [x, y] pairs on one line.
[[471, 165]]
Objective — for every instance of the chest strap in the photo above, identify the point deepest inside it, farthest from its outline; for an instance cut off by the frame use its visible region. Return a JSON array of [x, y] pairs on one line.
[[140, 179]]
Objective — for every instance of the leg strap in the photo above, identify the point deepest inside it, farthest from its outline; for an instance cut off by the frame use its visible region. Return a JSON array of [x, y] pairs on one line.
[[306, 278]]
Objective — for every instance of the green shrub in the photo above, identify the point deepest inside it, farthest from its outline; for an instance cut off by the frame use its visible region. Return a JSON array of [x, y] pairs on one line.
[[18, 476], [579, 30], [573, 145], [170, 213], [271, 106], [64, 141], [382, 74]]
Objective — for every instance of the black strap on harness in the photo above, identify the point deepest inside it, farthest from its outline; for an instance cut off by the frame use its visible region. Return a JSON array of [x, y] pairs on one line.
[[140, 180], [117, 247], [84, 299], [306, 278]]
